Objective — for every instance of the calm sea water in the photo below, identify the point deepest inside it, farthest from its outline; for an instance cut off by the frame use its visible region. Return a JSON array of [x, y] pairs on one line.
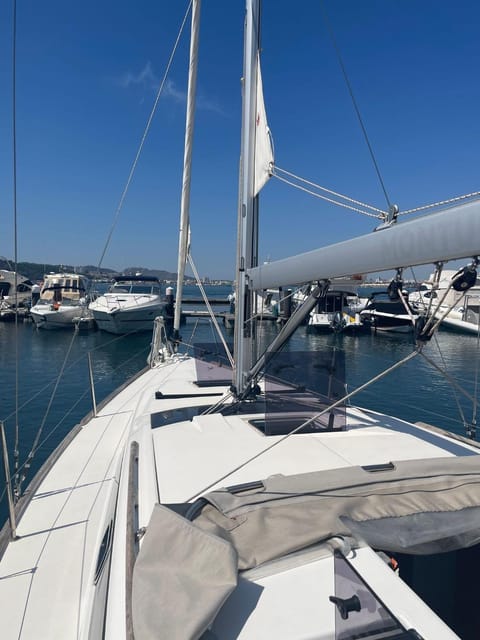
[[414, 392]]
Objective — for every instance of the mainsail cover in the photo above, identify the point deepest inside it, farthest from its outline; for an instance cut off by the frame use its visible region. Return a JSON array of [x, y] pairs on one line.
[[263, 142], [450, 234]]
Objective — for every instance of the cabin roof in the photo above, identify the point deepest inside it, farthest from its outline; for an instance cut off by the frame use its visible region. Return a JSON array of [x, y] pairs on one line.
[[136, 279]]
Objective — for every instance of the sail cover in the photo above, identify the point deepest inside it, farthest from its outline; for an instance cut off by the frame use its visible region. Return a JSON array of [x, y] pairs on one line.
[[263, 142], [450, 234]]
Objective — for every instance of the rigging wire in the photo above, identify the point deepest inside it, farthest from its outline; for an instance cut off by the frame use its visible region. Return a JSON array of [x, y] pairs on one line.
[[438, 272], [210, 310], [381, 214], [338, 402], [355, 104], [19, 481], [472, 429], [144, 136], [15, 233], [25, 466], [73, 364]]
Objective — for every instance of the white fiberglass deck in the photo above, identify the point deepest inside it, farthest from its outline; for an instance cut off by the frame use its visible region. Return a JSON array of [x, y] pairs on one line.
[[48, 573]]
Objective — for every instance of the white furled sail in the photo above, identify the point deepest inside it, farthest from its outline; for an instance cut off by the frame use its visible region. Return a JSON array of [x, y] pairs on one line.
[[263, 142], [447, 235]]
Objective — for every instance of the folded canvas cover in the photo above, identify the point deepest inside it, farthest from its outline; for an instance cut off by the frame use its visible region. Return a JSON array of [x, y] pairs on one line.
[[419, 506], [185, 570]]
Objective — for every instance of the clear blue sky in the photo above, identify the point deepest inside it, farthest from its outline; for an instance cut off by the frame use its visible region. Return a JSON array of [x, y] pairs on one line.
[[86, 80]]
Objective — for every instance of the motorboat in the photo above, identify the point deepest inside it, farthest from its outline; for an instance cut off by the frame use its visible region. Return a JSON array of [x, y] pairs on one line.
[[455, 308], [63, 301], [339, 309], [382, 313], [15, 290], [131, 304]]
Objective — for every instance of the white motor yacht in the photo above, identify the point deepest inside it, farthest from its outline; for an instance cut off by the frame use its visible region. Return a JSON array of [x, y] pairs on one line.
[[63, 301], [130, 305], [455, 308], [339, 309], [15, 289]]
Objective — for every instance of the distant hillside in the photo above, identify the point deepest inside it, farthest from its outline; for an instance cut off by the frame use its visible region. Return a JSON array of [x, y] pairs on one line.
[[35, 271]]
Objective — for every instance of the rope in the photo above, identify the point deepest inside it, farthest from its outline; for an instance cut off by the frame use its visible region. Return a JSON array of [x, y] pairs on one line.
[[380, 213], [333, 193], [474, 194], [318, 195], [449, 378]]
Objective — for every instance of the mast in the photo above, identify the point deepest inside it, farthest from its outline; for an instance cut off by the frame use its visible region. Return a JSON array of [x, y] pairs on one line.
[[187, 164], [247, 243]]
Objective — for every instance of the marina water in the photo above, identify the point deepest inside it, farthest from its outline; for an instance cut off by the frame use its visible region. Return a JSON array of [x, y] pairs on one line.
[[414, 392]]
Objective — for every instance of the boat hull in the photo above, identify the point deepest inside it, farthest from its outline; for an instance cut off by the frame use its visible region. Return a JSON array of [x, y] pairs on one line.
[[63, 318], [121, 321], [388, 322]]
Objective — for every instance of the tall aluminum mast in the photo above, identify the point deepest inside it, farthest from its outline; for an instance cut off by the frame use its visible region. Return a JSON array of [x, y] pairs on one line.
[[247, 243]]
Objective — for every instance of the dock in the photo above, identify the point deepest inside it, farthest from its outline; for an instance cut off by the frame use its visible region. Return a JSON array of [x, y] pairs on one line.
[[227, 318]]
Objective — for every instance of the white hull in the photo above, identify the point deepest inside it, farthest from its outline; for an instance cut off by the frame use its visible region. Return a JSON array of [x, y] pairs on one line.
[[334, 321], [63, 318], [460, 325], [118, 318]]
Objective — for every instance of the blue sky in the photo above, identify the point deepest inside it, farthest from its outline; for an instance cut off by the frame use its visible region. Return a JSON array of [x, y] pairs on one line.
[[87, 74]]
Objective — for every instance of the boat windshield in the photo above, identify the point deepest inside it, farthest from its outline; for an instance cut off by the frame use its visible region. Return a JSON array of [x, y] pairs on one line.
[[149, 288], [331, 303], [4, 289], [359, 612]]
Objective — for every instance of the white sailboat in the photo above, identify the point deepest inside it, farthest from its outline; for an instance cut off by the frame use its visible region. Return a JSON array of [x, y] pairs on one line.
[[190, 507]]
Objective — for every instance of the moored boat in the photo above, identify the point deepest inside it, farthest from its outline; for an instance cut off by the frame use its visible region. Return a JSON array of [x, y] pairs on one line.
[[131, 304], [454, 306], [382, 313], [63, 301]]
